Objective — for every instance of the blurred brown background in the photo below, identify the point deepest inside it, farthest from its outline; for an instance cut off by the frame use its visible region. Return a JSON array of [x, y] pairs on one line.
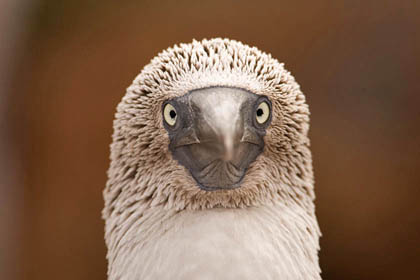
[[64, 66]]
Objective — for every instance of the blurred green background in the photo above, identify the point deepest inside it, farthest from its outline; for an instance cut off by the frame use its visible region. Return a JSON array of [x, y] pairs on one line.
[[64, 66]]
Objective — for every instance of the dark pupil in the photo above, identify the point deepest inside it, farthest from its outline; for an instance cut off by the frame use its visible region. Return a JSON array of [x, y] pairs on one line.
[[172, 113], [260, 112]]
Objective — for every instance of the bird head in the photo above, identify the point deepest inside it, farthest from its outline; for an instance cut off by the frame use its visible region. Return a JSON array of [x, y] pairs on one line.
[[210, 124]]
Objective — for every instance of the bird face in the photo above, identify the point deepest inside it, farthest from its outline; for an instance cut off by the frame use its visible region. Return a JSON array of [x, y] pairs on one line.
[[216, 133], [211, 115]]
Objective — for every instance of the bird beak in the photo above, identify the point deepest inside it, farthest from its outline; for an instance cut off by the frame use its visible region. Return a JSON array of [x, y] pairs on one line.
[[219, 143], [219, 123]]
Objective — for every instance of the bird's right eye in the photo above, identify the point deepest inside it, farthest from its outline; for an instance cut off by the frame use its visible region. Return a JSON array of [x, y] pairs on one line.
[[169, 114]]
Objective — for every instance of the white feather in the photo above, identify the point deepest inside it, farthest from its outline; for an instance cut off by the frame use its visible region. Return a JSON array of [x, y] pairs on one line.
[[270, 242]]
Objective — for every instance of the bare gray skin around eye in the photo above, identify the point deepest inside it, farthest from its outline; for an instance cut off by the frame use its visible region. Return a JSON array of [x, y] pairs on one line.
[[216, 135]]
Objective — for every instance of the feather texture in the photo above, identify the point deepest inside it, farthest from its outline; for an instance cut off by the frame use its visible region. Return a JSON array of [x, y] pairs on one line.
[[160, 225]]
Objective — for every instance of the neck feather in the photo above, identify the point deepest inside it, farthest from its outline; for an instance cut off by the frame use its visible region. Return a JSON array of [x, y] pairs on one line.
[[262, 242]]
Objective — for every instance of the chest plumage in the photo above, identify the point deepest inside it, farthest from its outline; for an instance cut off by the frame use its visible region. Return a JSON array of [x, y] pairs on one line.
[[253, 243]]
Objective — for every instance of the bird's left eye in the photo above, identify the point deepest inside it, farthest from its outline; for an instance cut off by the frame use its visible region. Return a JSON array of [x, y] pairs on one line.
[[263, 112], [169, 114]]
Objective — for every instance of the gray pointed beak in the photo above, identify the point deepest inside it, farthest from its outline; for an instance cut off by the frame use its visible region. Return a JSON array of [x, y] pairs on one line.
[[219, 140], [219, 121]]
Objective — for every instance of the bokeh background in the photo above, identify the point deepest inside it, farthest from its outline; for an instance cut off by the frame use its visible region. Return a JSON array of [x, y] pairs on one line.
[[64, 66]]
